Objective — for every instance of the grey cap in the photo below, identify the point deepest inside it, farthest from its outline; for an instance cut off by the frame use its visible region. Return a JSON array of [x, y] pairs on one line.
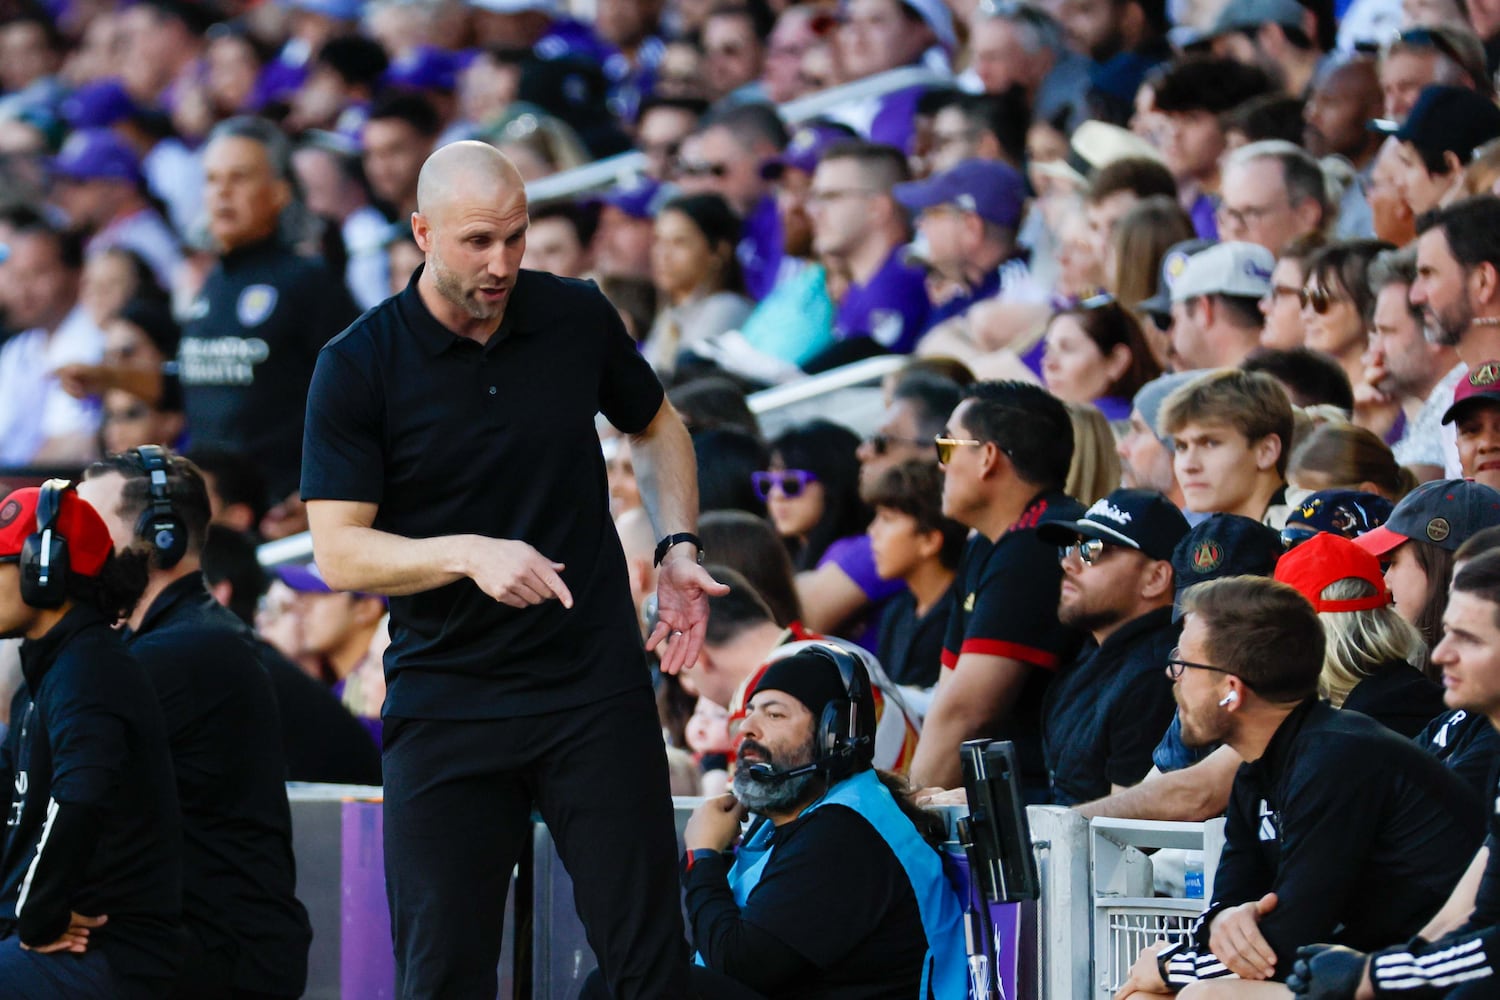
[[1150, 397], [1173, 262], [1244, 14], [1239, 269]]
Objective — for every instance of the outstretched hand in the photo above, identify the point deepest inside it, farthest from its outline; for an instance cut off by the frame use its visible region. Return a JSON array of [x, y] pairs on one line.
[[682, 592]]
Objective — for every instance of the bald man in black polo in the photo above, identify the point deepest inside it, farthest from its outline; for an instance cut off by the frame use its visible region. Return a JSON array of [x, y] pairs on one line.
[[451, 462]]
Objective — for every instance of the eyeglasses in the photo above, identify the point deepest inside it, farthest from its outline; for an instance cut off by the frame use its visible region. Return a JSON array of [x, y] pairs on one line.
[[9, 559], [945, 446], [1320, 299], [1089, 550], [791, 482], [882, 443], [1244, 216], [1176, 665], [701, 168]]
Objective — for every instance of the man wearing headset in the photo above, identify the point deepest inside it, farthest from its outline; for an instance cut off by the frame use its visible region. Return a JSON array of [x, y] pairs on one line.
[[247, 934], [838, 883], [1338, 829], [90, 867]]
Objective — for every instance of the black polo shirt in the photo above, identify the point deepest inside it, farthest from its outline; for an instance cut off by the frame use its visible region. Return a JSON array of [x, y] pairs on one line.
[[1107, 711], [452, 438], [1005, 604], [911, 648], [247, 354]]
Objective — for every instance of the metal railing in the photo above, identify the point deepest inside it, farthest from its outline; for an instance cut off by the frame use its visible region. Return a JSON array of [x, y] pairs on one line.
[[620, 168]]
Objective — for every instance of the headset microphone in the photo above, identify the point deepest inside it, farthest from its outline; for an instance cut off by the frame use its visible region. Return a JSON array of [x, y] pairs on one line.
[[768, 772]]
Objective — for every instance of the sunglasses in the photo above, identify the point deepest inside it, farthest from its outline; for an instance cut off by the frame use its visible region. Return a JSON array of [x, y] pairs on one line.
[[700, 168], [1426, 37], [882, 443], [1319, 298], [790, 482], [1294, 535], [945, 446], [1089, 550]]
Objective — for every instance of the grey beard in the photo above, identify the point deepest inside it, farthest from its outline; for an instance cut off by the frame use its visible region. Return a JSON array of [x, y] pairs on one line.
[[771, 795]]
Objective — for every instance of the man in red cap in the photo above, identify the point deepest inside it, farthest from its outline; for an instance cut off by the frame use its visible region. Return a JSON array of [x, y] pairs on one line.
[[90, 872], [1475, 414]]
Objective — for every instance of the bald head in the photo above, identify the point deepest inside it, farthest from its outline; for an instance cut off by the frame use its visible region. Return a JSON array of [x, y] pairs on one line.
[[466, 172]]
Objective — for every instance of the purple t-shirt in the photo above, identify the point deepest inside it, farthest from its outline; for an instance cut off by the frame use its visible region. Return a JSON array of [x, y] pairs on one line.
[[856, 557], [1204, 214], [760, 250], [891, 308]]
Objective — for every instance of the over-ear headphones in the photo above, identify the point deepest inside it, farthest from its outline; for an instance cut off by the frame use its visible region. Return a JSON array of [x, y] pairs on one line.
[[159, 523], [1228, 699], [845, 736], [44, 556]]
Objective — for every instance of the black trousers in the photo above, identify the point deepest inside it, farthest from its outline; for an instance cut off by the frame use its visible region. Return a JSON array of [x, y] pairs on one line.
[[458, 802]]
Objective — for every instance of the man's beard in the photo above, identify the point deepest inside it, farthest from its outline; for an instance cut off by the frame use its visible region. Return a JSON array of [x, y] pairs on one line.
[[770, 796], [451, 287], [1077, 615], [1447, 328]]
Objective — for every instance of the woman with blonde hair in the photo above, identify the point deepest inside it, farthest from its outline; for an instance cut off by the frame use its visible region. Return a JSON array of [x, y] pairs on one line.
[[1370, 657], [1095, 470]]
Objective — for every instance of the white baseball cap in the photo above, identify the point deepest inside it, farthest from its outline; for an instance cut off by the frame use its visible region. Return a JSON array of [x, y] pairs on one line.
[[1239, 269]]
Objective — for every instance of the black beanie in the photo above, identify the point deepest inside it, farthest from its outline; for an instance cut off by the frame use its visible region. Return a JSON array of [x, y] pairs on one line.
[[810, 677]]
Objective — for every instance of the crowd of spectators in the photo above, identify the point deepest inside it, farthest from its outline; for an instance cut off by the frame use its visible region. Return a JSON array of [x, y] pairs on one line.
[[1185, 291]]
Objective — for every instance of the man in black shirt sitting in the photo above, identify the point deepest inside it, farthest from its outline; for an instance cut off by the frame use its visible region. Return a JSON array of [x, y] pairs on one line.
[[1457, 954], [1338, 829], [1107, 710], [248, 935], [90, 860], [832, 838]]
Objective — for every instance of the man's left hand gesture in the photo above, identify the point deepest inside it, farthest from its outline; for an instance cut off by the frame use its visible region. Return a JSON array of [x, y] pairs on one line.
[[682, 592]]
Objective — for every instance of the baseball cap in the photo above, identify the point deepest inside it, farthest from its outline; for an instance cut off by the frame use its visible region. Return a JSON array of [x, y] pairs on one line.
[[1446, 119], [1094, 146], [1150, 397], [991, 190], [1445, 512], [805, 148], [1326, 559], [1223, 545], [424, 67], [338, 10], [96, 154], [98, 105], [1173, 263], [1143, 520], [936, 15], [515, 6], [1241, 269], [1482, 382], [304, 578], [1253, 13], [637, 198], [1346, 513], [89, 544]]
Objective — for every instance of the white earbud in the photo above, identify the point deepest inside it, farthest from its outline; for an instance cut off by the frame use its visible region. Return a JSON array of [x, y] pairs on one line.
[[1231, 696]]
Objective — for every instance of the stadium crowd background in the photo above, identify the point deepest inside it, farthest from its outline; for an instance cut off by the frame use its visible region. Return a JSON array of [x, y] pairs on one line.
[[1194, 224]]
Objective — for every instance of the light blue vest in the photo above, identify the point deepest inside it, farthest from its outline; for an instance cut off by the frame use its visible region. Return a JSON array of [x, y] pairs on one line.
[[945, 969]]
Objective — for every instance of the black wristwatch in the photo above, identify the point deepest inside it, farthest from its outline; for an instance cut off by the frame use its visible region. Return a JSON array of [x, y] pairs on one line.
[[674, 539]]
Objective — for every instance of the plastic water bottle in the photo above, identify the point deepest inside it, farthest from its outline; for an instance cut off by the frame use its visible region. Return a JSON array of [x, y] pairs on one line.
[[1192, 877]]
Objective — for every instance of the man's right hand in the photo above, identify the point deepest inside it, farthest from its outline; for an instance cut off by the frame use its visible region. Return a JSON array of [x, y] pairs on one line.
[[514, 573], [1235, 939], [75, 939]]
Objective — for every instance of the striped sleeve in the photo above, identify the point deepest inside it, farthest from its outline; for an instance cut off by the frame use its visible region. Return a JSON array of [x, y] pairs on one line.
[[1188, 961], [1431, 969]]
